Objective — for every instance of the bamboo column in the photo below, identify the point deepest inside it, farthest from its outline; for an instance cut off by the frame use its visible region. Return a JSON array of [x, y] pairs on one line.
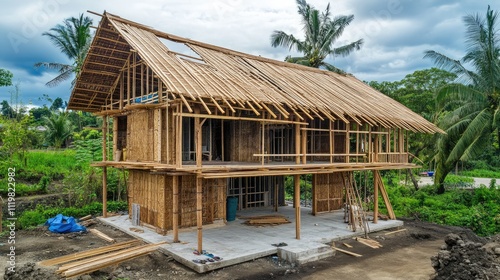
[[175, 207], [297, 143], [296, 181], [304, 146], [375, 196], [104, 169], [178, 136], [199, 213], [115, 138]]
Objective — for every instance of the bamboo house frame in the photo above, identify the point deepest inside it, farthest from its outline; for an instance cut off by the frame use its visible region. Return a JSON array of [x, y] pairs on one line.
[[196, 128]]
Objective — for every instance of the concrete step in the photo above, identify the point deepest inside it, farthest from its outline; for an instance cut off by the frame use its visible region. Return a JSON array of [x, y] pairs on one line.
[[306, 252]]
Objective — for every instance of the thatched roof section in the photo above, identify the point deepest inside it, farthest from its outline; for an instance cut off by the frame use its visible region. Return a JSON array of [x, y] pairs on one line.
[[227, 76]]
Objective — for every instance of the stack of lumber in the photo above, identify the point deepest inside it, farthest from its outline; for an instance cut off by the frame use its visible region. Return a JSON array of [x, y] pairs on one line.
[[266, 220], [369, 242], [92, 260]]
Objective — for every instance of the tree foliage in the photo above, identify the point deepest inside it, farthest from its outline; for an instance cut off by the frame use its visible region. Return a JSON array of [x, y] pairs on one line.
[[417, 91], [470, 108], [5, 78], [73, 39], [59, 128], [321, 31]]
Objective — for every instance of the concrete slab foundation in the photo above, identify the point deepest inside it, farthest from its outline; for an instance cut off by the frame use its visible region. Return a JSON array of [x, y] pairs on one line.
[[237, 242]]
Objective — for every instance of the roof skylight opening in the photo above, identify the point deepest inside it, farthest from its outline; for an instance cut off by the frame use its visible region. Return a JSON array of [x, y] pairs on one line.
[[182, 51]]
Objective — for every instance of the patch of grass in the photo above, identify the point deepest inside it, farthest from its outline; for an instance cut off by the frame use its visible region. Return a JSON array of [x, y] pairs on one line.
[[481, 173], [477, 209], [40, 215]]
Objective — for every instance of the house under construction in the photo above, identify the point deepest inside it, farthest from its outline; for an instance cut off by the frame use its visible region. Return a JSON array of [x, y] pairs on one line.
[[194, 128]]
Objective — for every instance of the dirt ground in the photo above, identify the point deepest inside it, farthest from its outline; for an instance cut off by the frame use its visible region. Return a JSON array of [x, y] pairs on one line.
[[404, 255]]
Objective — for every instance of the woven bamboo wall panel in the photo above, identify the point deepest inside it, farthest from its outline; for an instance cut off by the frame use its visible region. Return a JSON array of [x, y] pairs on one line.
[[140, 136], [327, 192], [245, 141]]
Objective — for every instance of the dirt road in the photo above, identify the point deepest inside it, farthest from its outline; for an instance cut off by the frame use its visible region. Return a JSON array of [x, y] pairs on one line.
[[404, 255]]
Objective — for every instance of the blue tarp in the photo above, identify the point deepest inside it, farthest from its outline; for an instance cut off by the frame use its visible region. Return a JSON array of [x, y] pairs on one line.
[[63, 224]]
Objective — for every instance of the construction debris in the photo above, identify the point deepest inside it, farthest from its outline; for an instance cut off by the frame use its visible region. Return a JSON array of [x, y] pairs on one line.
[[347, 245], [85, 218], [101, 235], [266, 220], [369, 242], [347, 252]]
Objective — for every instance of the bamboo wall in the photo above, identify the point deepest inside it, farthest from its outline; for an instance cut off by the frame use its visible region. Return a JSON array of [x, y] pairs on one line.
[[327, 192], [154, 195], [143, 134], [245, 141]]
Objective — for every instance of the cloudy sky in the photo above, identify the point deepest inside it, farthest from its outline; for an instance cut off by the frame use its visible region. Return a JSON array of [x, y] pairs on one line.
[[396, 32]]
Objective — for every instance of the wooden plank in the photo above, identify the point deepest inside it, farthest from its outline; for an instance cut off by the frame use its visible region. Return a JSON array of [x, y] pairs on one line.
[[101, 235], [347, 245], [88, 253], [268, 221], [396, 231], [347, 252], [102, 263]]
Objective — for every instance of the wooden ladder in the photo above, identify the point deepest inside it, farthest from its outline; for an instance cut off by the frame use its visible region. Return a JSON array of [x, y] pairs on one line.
[[357, 216]]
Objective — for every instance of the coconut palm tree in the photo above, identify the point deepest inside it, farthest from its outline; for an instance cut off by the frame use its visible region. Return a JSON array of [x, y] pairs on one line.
[[59, 128], [471, 107], [321, 32], [73, 38]]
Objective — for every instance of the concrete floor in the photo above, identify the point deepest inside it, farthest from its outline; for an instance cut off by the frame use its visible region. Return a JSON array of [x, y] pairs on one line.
[[237, 242]]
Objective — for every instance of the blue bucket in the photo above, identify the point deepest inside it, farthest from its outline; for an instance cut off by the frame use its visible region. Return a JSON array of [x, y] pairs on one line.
[[232, 206]]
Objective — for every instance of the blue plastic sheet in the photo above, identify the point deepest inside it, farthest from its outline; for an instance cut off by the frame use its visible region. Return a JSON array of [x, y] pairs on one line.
[[63, 224]]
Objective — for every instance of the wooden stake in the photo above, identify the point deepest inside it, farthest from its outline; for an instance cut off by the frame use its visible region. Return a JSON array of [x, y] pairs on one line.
[[175, 207], [296, 180], [199, 213]]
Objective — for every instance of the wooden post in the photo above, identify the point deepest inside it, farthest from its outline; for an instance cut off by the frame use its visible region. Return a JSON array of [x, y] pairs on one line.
[[128, 81], [104, 169], [347, 141], [121, 91], [115, 138], [296, 181], [276, 193], [304, 146], [157, 125], [178, 137], [375, 196], [198, 138], [297, 143], [175, 207], [199, 213]]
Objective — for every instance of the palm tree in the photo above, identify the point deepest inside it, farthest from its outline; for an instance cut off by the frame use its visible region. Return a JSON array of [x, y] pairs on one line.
[[59, 128], [470, 109], [73, 39], [321, 32]]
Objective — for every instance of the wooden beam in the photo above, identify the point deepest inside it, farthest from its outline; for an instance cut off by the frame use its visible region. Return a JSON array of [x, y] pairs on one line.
[[175, 207], [178, 136], [222, 117], [304, 146], [296, 181], [199, 213]]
